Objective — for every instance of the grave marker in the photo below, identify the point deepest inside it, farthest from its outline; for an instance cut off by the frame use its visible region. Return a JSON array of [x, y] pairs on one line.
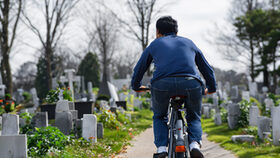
[[263, 126], [233, 115], [253, 115], [89, 131], [10, 124], [276, 125]]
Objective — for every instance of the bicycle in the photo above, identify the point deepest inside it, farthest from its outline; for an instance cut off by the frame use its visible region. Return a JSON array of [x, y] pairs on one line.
[[178, 136]]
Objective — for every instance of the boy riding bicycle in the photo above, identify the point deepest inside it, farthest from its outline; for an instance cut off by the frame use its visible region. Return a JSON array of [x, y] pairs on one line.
[[176, 60]]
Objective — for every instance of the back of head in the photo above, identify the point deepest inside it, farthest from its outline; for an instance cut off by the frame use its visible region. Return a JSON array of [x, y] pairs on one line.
[[166, 25]]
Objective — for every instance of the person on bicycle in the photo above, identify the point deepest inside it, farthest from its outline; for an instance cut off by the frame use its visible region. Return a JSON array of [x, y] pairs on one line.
[[176, 60]]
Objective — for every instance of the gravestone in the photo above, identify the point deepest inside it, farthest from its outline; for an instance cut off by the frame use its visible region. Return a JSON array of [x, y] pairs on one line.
[[137, 103], [63, 121], [122, 96], [218, 119], [19, 96], [242, 138], [113, 91], [10, 124], [268, 104], [234, 95], [276, 125], [206, 110], [91, 95], [233, 115], [62, 105], [100, 130], [253, 89], [35, 98], [40, 119], [227, 87], [246, 95], [89, 131], [13, 146], [278, 90], [253, 115], [263, 126]]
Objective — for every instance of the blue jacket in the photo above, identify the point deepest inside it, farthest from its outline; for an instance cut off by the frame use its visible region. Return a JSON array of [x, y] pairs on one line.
[[173, 56]]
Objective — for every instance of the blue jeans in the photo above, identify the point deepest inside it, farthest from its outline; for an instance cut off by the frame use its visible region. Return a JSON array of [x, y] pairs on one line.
[[165, 88]]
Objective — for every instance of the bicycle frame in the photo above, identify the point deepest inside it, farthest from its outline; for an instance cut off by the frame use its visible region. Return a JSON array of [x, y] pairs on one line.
[[177, 135]]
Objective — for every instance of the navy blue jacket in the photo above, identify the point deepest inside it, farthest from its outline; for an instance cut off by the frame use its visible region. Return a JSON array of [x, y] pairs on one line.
[[173, 56]]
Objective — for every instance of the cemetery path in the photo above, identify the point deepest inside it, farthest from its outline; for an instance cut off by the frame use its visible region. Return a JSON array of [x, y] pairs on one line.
[[143, 147]]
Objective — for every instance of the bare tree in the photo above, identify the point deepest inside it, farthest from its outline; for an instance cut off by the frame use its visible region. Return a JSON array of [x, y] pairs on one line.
[[102, 30], [9, 17], [56, 17], [143, 13], [234, 48]]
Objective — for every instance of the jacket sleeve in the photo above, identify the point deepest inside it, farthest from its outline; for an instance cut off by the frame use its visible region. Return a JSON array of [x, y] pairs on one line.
[[140, 69], [206, 70]]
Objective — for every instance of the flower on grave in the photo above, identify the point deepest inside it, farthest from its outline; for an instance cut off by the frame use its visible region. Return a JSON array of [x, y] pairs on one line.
[[91, 138], [1, 101]]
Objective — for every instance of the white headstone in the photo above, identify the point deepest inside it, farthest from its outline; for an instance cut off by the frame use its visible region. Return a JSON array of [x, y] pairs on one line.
[[70, 77], [113, 91], [89, 131], [253, 115], [275, 113], [10, 124], [13, 146], [264, 89]]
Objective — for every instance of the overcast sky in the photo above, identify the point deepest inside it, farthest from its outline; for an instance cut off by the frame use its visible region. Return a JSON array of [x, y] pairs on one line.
[[195, 19]]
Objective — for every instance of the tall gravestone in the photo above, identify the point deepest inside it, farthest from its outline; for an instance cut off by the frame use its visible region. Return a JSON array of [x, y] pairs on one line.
[[253, 89], [35, 98], [63, 116], [253, 115], [11, 143], [233, 115], [91, 95], [234, 95], [263, 126], [276, 125], [89, 131], [0, 125]]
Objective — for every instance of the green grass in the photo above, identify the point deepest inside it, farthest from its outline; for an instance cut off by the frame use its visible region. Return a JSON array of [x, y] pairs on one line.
[[113, 142], [222, 135]]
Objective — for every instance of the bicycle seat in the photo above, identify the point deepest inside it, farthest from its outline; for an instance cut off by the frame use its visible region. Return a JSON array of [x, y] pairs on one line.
[[178, 97]]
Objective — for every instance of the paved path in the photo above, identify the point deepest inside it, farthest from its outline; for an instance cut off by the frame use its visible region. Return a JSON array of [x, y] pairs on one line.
[[143, 147]]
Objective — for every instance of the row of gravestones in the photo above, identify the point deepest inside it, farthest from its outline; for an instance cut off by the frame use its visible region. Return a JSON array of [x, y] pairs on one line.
[[265, 125], [17, 143]]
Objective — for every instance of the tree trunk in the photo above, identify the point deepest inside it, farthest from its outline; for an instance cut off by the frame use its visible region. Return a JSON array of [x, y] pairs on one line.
[[266, 77], [252, 74], [48, 55]]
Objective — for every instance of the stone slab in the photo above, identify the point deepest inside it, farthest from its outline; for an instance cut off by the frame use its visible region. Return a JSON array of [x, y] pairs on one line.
[[89, 128], [10, 124], [63, 121], [40, 120], [242, 138], [15, 148]]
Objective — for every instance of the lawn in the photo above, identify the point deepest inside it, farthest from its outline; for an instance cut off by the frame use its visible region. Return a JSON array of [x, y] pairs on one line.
[[222, 135], [114, 141]]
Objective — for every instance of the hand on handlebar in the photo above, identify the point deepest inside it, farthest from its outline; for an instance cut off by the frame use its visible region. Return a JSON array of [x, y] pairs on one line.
[[143, 89], [206, 91]]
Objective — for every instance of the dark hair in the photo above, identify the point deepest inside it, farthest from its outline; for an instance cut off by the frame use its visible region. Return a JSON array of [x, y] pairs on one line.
[[167, 24]]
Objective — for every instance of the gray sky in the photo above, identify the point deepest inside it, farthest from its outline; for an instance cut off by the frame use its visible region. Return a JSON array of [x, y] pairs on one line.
[[195, 18]]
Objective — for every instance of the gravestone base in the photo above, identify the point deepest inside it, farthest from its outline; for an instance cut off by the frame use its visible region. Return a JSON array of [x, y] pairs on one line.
[[13, 146]]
